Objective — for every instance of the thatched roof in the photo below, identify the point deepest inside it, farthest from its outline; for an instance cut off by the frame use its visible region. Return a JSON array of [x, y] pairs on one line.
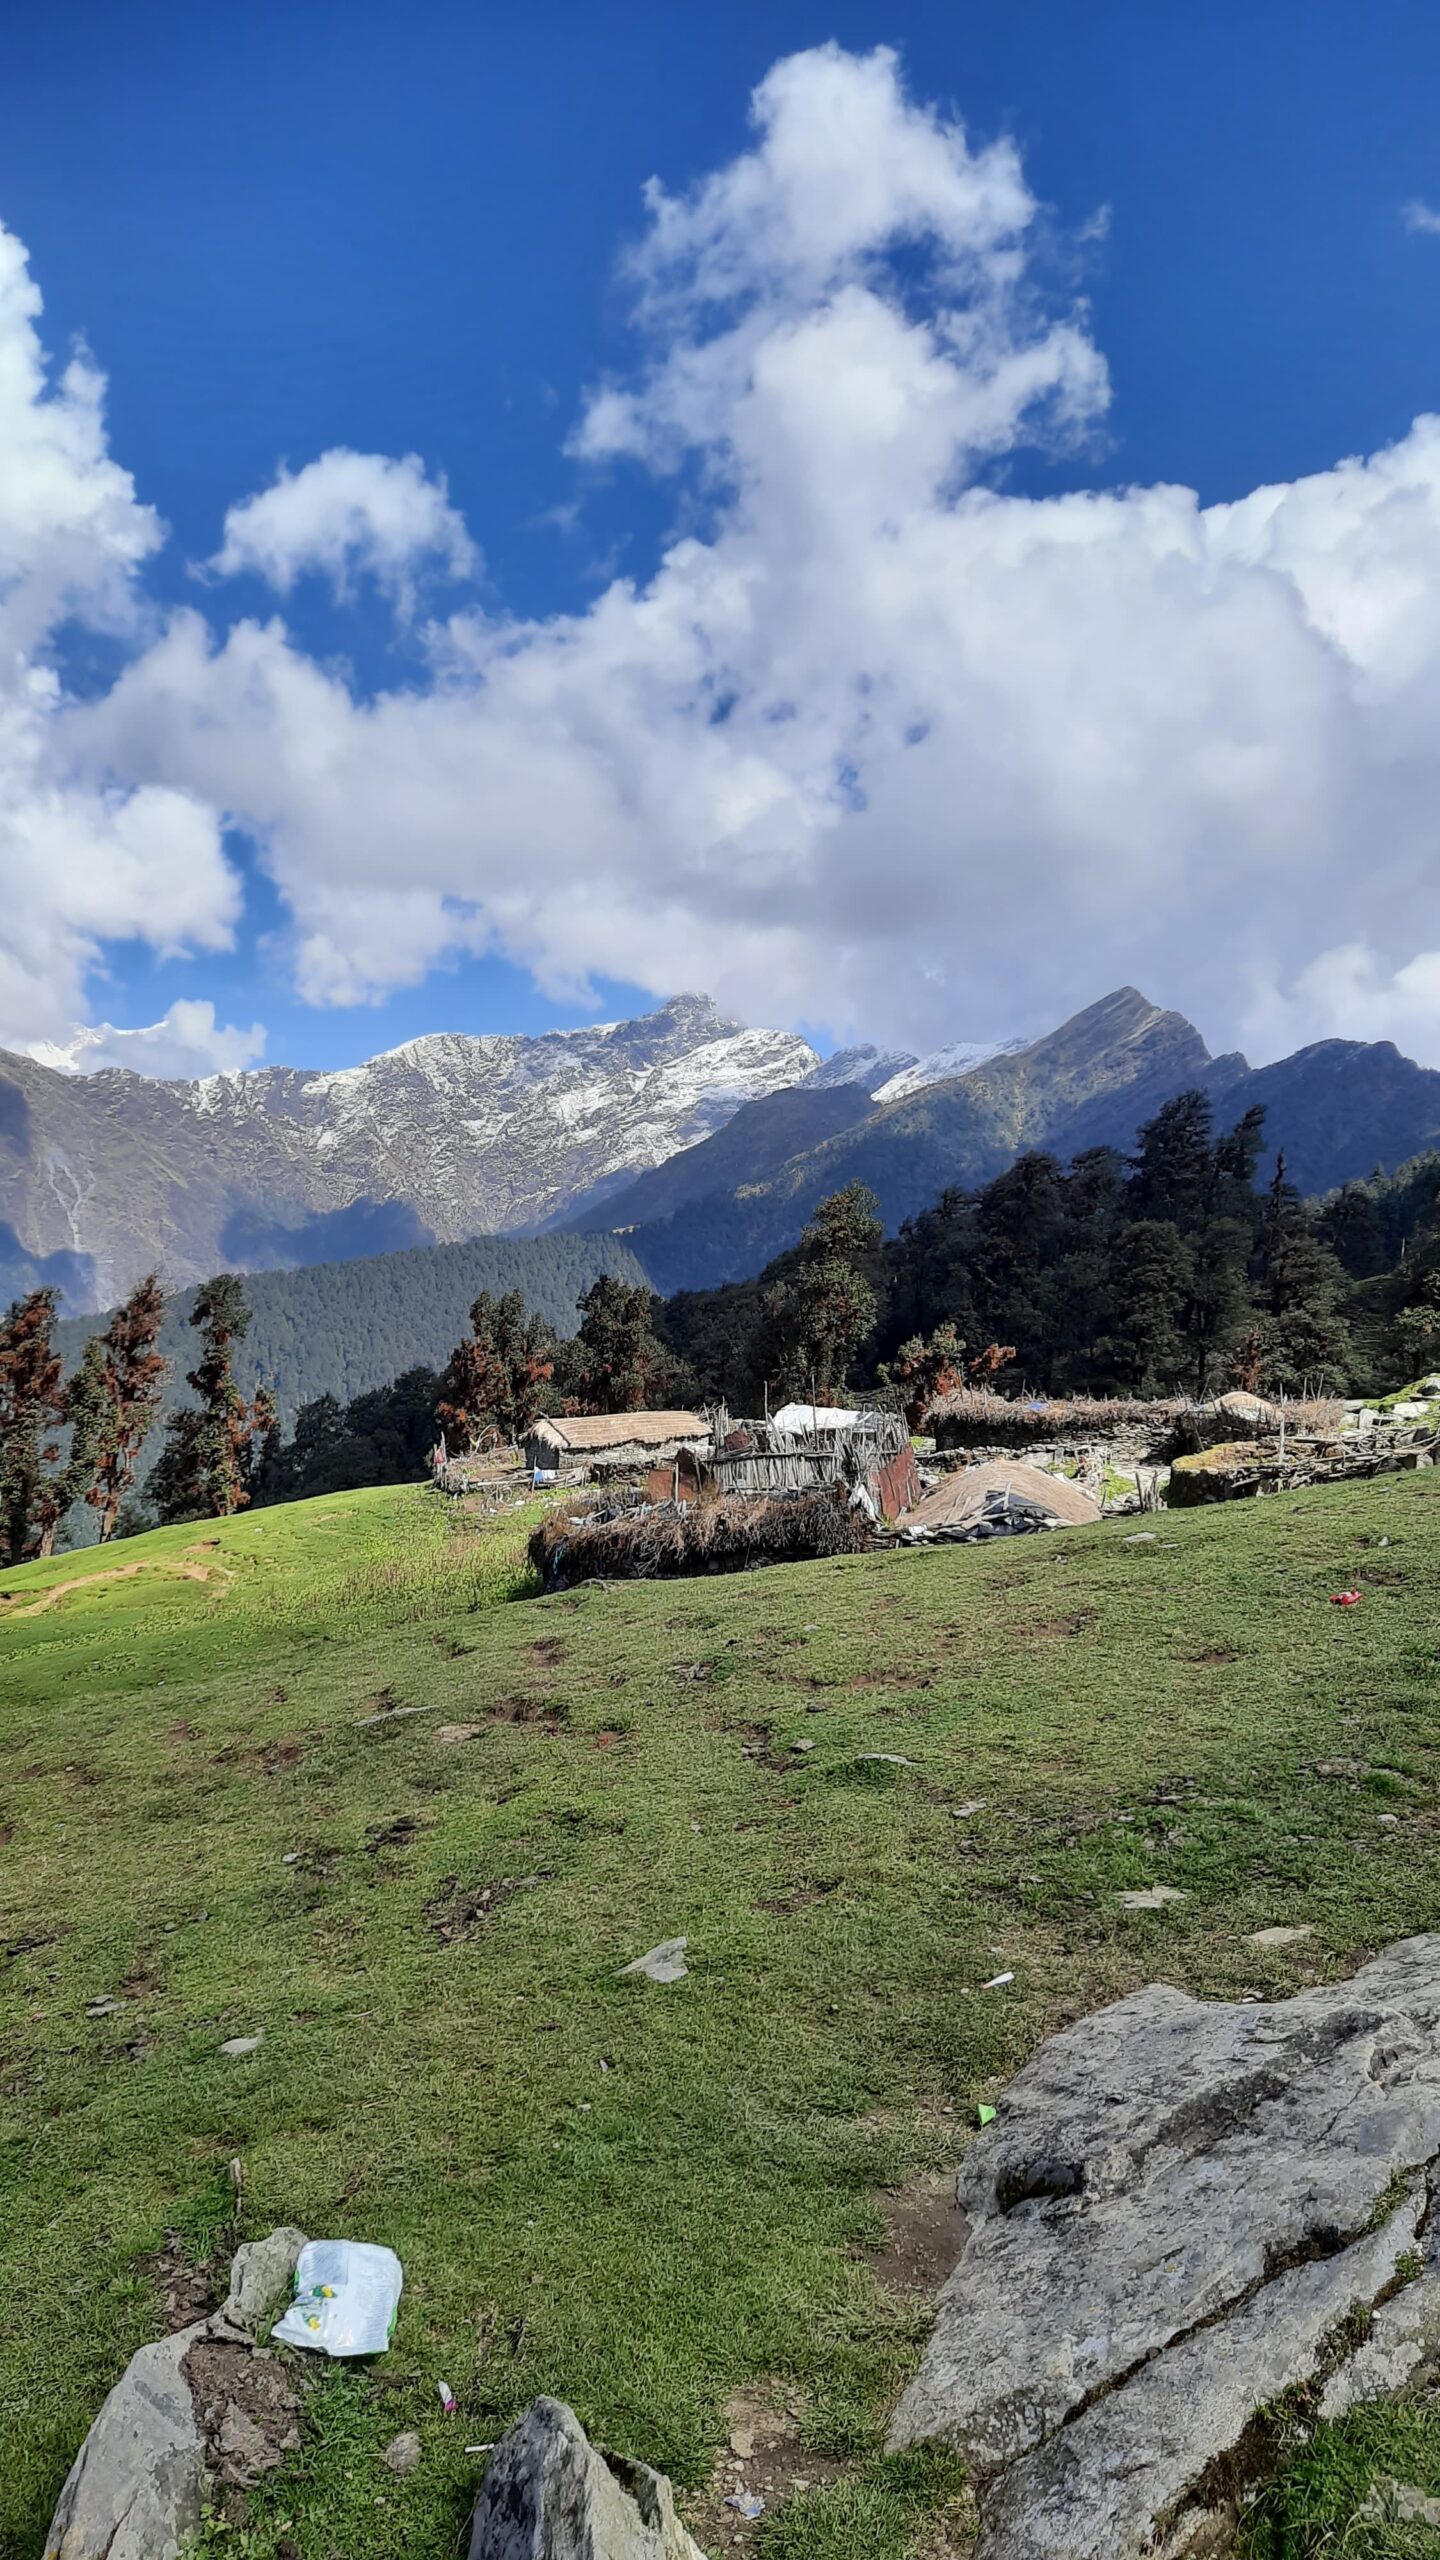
[[589, 1432], [963, 1496], [983, 1416]]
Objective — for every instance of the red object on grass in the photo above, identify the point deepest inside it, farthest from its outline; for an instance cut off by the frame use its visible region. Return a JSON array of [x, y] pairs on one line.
[[1344, 1599]]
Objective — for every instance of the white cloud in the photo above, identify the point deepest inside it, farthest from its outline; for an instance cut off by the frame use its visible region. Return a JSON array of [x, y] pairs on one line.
[[85, 856], [1350, 994], [1419, 216], [876, 739], [186, 1041], [346, 515]]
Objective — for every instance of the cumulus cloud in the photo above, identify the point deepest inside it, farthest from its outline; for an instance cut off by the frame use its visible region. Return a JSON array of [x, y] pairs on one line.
[[186, 1041], [1417, 215], [86, 856], [879, 742], [348, 515]]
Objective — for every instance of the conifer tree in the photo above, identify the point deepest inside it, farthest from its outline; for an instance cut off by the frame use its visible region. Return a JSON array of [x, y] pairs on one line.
[[1306, 1341], [819, 1313], [34, 1493], [617, 1363], [203, 1472], [113, 1402]]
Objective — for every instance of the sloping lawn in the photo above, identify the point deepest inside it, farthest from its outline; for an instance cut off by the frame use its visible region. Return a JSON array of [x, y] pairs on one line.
[[638, 2197]]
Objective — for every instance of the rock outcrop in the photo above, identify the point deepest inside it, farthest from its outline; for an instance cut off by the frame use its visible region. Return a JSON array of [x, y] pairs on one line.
[[549, 2494], [1186, 2211], [203, 2405]]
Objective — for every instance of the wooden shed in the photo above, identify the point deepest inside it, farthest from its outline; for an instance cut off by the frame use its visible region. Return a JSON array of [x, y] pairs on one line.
[[615, 1439]]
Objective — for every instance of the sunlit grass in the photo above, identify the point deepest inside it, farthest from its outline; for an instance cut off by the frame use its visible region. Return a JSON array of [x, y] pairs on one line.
[[638, 2198]]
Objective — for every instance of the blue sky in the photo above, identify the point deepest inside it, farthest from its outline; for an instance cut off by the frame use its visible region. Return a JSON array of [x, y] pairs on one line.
[[294, 228]]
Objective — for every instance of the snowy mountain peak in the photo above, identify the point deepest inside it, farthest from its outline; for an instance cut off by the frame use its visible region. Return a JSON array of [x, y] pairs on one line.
[[448, 1136], [942, 1064], [869, 1067]]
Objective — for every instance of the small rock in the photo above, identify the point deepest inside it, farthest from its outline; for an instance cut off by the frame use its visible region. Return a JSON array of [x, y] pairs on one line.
[[963, 1812], [448, 1733], [742, 2441], [102, 2008], [1389, 1821], [239, 2045], [402, 2453], [1153, 1898], [1279, 1937], [802, 1746], [260, 2272], [549, 2494], [896, 1759], [1395, 2502], [665, 1963]]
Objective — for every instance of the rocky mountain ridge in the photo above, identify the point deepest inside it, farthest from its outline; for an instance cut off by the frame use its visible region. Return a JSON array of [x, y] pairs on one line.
[[450, 1136], [1337, 1110]]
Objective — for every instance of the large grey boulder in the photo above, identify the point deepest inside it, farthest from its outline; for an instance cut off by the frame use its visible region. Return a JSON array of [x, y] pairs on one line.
[[549, 2494], [138, 2484], [1184, 2211]]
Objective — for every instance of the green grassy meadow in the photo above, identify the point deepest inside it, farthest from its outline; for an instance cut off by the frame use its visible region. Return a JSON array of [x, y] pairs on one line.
[[645, 2198]]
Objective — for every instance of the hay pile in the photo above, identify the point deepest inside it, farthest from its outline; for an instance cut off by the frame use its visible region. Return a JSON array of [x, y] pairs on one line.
[[971, 1416], [695, 1537]]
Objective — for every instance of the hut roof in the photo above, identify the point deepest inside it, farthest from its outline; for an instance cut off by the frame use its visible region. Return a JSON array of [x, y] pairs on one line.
[[591, 1431], [963, 1496]]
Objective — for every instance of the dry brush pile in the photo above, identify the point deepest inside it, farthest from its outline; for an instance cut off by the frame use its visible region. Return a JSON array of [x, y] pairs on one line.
[[699, 1537]]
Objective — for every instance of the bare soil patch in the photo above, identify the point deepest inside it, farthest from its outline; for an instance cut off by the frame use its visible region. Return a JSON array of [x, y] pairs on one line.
[[763, 2458], [456, 1911], [925, 2231], [247, 2409], [1051, 1630], [186, 2291]]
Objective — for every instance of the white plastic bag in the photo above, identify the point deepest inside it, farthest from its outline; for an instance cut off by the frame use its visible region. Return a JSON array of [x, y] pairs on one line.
[[347, 2293]]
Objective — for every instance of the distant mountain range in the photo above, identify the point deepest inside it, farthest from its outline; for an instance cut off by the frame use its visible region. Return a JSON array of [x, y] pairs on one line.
[[728, 1205], [103, 1177], [705, 1145]]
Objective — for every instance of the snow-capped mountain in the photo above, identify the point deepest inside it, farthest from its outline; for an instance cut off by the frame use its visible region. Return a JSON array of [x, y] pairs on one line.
[[912, 1074], [105, 1176], [871, 1068]]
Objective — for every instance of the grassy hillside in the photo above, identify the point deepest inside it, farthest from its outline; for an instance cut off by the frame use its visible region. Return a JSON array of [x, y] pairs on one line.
[[336, 1328], [644, 2199]]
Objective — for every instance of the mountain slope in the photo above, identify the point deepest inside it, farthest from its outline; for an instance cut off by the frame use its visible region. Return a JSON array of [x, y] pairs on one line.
[[1335, 1110], [756, 1144], [447, 1137], [1115, 1061], [340, 1327]]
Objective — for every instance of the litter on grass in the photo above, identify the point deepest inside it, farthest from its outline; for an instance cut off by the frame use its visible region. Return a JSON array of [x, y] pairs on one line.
[[665, 1963], [347, 2293], [447, 2398], [746, 2504], [240, 2045], [1344, 1599], [984, 2115], [997, 1981]]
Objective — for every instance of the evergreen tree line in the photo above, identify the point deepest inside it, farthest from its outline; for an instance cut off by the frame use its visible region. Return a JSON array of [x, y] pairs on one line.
[[1167, 1271]]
